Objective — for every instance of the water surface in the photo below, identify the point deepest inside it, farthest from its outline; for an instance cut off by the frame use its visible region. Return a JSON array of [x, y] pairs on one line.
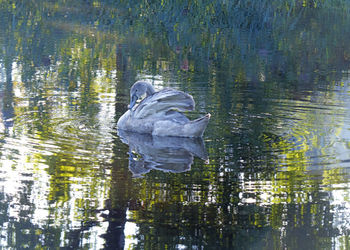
[[270, 173]]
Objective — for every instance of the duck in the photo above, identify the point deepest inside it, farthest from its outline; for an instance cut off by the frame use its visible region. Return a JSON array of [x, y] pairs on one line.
[[159, 113]]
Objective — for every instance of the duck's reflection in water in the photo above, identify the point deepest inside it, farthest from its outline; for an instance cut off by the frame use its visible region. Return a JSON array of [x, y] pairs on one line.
[[168, 154]]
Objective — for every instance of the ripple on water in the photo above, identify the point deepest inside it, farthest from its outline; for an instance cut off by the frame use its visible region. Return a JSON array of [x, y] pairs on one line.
[[40, 132], [311, 130]]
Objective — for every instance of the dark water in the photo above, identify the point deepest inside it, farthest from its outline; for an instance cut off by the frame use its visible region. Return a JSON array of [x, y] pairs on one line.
[[272, 170]]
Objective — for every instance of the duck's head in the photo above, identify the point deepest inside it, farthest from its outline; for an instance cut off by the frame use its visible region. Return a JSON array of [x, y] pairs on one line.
[[139, 89]]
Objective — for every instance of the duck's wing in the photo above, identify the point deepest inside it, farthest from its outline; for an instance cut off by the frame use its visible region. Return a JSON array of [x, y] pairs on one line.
[[160, 103]]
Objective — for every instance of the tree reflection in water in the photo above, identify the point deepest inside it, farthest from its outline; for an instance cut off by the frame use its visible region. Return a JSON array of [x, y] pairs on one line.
[[274, 75]]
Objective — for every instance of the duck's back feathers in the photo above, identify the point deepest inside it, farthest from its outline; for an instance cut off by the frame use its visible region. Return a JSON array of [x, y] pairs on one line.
[[160, 103], [188, 129]]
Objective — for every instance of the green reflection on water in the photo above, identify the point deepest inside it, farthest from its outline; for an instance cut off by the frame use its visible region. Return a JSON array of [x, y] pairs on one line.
[[274, 76]]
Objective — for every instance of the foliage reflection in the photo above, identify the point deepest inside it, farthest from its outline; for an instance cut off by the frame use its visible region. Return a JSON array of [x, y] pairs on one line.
[[274, 75]]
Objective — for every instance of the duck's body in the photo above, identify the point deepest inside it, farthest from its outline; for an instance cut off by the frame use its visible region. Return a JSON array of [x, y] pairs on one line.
[[159, 113]]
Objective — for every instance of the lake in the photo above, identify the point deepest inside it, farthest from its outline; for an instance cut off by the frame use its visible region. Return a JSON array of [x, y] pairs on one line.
[[272, 170]]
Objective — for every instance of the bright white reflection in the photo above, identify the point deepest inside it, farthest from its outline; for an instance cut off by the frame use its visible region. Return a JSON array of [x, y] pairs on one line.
[[16, 72], [130, 232], [2, 72], [341, 212]]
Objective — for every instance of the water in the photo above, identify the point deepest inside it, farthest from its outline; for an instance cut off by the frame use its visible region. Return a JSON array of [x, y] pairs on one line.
[[272, 170]]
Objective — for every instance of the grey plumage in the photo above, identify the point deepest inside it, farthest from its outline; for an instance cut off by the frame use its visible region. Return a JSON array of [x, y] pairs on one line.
[[159, 113]]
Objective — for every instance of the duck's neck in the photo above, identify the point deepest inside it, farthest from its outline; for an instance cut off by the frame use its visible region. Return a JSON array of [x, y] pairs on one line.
[[150, 90]]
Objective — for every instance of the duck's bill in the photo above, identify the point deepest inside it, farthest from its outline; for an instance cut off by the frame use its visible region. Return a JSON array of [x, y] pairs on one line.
[[132, 101]]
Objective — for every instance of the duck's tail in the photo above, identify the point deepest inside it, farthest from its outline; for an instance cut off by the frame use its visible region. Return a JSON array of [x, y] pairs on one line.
[[196, 127]]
